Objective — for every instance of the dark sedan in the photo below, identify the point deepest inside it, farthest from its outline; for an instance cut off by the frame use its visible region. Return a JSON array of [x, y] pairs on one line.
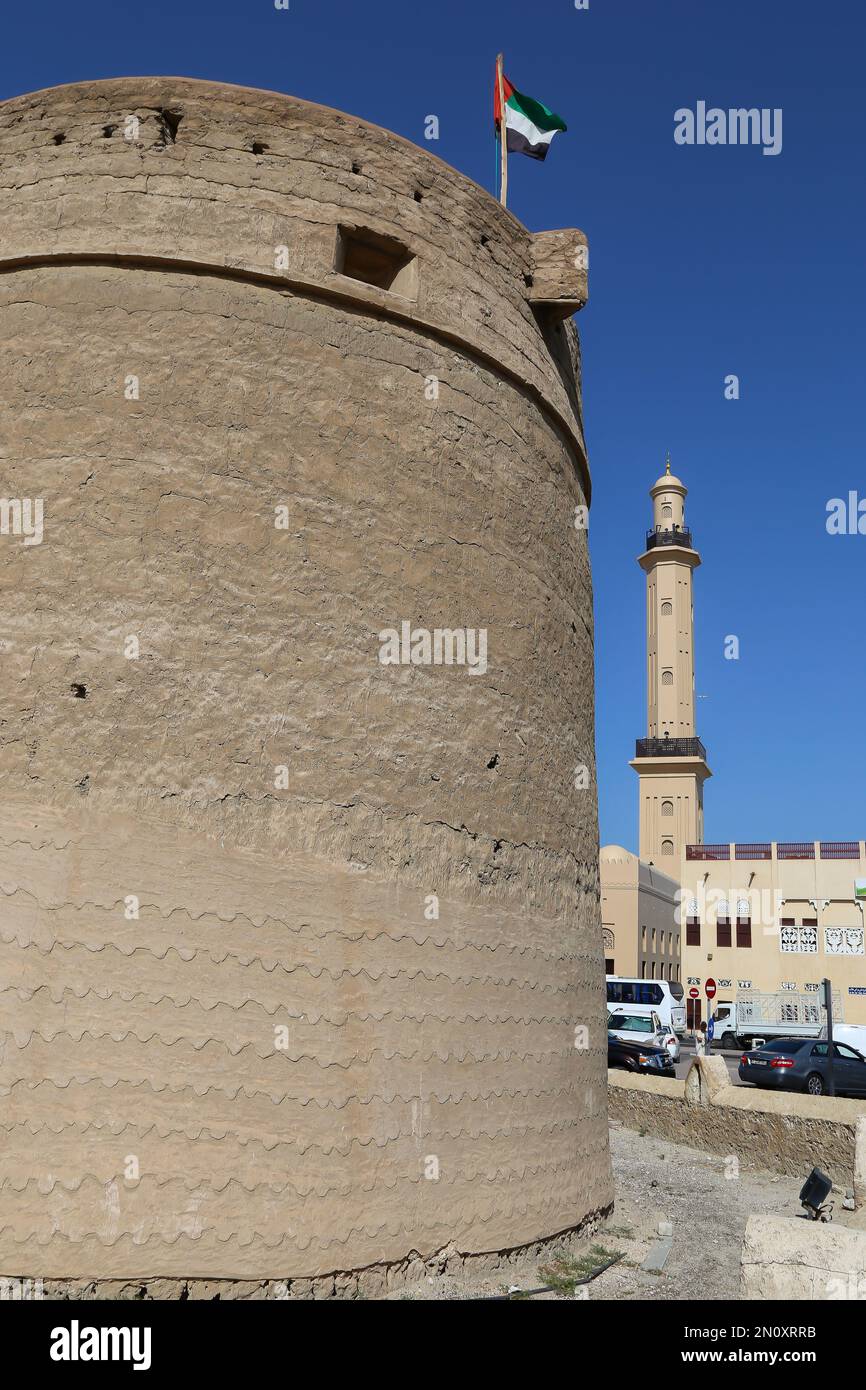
[[635, 1057], [802, 1064]]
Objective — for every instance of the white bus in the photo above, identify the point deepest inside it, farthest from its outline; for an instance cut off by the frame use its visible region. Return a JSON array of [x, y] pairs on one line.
[[664, 996]]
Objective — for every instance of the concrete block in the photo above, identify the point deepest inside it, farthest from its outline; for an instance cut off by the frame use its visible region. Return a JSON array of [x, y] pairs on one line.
[[657, 1257], [795, 1259], [860, 1164], [707, 1078]]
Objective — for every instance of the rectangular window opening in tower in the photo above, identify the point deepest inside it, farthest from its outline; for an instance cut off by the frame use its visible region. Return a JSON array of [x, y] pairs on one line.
[[373, 259]]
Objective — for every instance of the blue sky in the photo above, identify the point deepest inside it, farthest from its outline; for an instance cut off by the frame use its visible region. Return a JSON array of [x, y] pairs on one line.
[[704, 261]]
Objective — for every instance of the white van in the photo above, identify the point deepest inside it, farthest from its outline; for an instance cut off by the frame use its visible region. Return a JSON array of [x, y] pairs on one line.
[[643, 996], [852, 1034]]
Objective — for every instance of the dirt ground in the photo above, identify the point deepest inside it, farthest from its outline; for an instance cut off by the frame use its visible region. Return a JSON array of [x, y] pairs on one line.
[[656, 1182]]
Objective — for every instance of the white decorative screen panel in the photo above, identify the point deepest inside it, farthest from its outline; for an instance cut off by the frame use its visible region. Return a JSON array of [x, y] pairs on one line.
[[799, 940], [843, 941]]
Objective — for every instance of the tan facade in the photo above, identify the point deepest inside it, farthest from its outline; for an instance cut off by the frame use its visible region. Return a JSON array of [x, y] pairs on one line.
[[776, 917], [294, 941], [639, 916]]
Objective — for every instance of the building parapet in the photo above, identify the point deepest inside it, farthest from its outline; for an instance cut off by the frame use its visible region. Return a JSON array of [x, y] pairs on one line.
[[779, 849]]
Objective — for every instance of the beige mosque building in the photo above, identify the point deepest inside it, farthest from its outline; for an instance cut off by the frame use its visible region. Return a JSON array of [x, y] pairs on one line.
[[767, 918]]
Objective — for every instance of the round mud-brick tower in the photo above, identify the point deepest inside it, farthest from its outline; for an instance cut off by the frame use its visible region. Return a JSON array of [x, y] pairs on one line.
[[300, 973]]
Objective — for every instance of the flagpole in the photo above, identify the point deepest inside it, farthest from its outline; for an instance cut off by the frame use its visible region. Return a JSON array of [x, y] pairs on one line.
[[503, 137]]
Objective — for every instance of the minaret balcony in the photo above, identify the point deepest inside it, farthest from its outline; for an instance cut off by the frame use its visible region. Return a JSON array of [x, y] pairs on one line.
[[677, 535], [670, 748]]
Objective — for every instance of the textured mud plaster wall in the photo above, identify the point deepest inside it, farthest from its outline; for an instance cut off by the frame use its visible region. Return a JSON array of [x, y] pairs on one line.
[[285, 1064]]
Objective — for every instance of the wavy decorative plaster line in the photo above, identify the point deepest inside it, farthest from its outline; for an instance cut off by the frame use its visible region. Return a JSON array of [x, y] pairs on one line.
[[303, 1101], [431, 939], [285, 1054], [298, 1146], [188, 955]]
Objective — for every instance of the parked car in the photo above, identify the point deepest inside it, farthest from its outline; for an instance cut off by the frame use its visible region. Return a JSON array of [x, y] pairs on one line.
[[635, 1057], [802, 1064], [644, 1028]]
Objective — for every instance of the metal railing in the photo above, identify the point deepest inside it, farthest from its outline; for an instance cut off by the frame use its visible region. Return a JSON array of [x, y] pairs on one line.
[[678, 535], [669, 748], [792, 849], [840, 849]]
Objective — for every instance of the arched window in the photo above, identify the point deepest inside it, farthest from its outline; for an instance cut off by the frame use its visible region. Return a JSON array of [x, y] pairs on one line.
[[667, 808], [667, 846], [667, 609], [666, 511], [667, 677]]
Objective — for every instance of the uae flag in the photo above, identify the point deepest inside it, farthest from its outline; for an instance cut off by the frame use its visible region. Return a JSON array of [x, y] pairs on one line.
[[529, 125]]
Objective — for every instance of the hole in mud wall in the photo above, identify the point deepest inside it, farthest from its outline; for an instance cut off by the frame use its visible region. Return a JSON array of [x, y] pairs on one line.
[[169, 121], [79, 691], [59, 137]]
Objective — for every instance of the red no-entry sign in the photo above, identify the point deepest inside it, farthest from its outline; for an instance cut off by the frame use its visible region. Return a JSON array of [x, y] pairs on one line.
[[694, 993], [710, 989]]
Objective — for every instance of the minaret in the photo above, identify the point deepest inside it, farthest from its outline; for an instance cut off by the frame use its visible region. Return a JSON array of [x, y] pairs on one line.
[[671, 762]]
